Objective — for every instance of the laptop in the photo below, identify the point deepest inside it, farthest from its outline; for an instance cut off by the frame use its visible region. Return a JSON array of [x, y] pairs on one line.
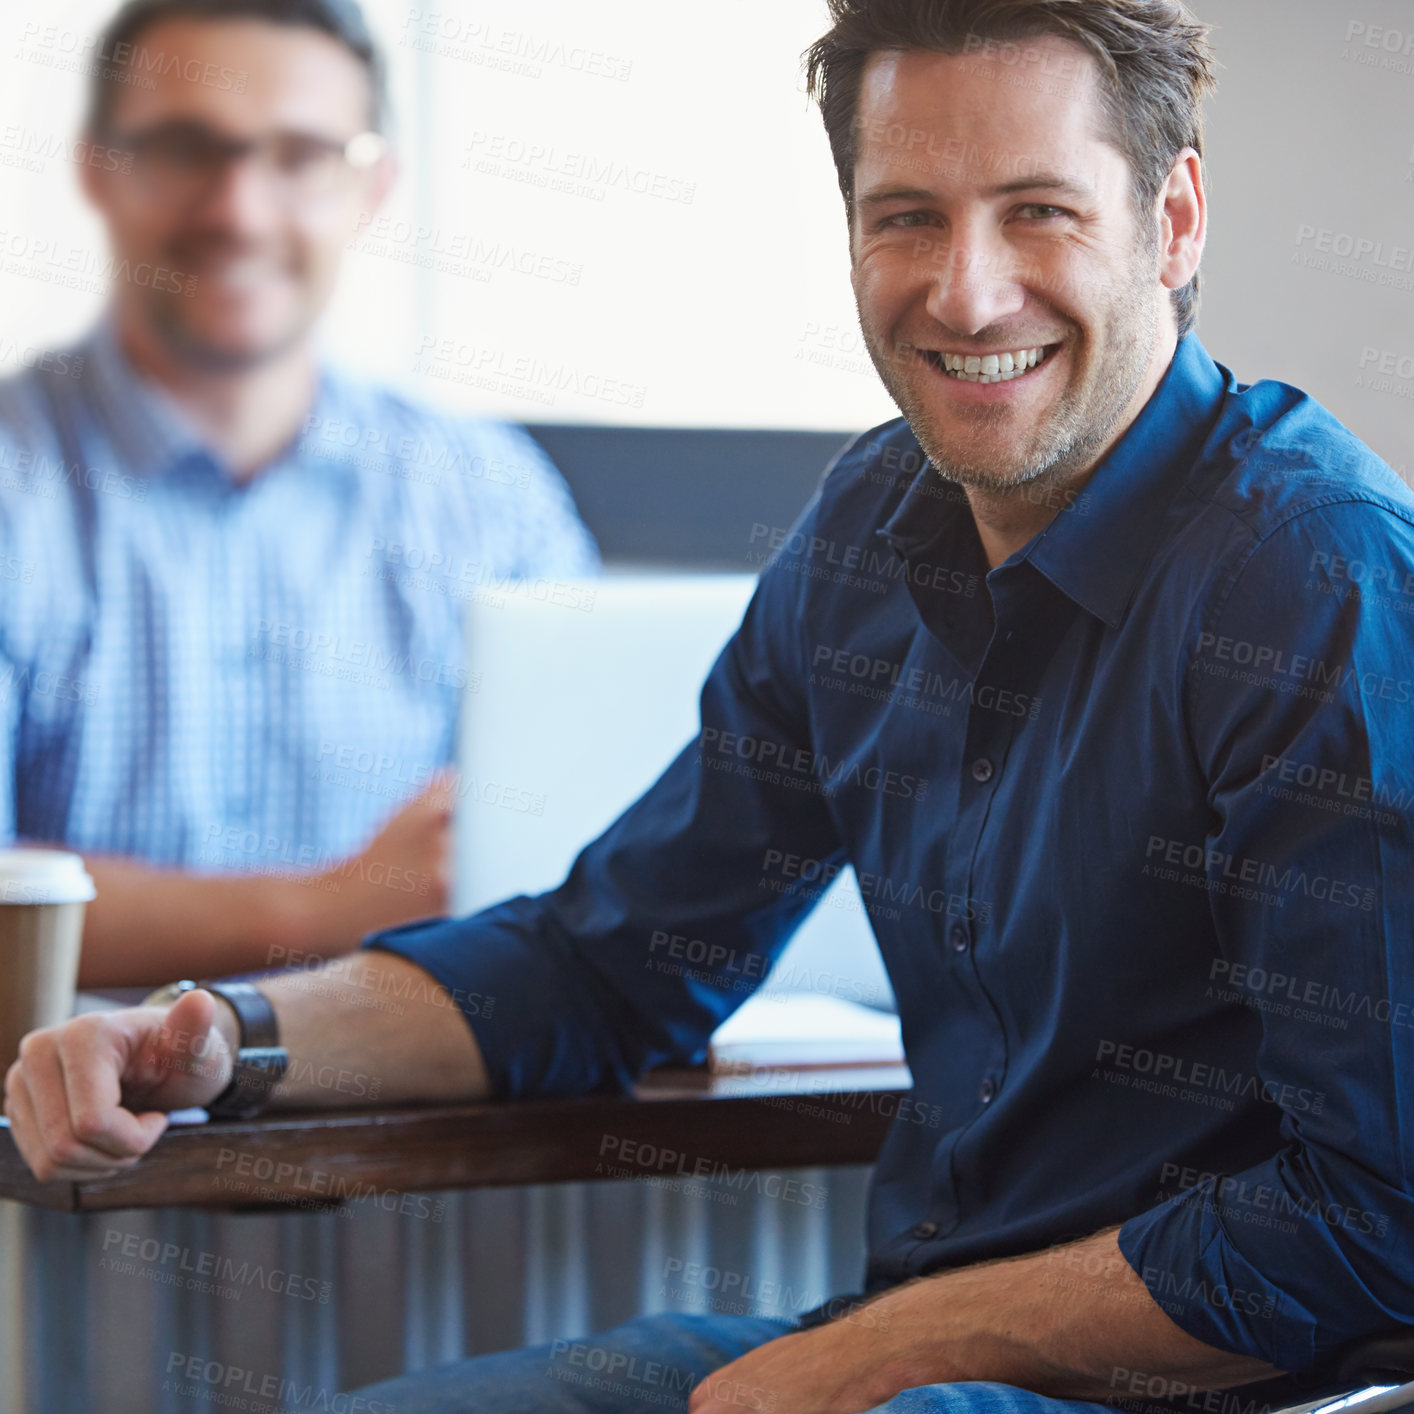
[[583, 694]]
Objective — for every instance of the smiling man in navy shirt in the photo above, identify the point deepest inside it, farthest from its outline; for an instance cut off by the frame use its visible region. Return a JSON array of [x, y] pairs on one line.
[[1097, 669]]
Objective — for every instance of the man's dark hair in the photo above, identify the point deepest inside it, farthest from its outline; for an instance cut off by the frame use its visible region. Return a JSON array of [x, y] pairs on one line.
[[118, 50], [1155, 64]]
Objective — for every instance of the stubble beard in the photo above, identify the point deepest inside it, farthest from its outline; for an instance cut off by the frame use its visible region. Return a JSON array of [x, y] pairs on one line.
[[168, 316], [1074, 431], [189, 347]]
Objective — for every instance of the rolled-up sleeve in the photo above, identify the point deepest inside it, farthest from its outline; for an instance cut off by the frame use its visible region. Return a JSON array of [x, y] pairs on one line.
[[1302, 703], [577, 989]]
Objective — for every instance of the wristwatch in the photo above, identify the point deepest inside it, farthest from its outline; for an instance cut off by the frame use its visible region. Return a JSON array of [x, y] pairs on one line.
[[260, 1059]]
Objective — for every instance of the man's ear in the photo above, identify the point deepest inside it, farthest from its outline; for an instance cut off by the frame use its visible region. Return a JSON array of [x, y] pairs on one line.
[[1183, 219]]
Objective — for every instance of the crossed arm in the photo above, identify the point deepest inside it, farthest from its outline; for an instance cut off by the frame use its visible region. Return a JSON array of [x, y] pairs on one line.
[[1072, 1322], [149, 924]]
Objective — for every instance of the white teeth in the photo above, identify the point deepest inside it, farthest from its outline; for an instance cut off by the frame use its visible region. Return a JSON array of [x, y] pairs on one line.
[[991, 368], [241, 273]]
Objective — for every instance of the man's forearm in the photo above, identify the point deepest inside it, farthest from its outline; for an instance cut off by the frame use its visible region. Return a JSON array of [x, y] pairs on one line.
[[148, 925], [91, 1097], [370, 1028], [1074, 1321]]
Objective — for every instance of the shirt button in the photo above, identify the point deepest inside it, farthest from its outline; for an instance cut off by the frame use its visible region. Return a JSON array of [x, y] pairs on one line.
[[958, 938], [925, 1230], [981, 769], [987, 1090]]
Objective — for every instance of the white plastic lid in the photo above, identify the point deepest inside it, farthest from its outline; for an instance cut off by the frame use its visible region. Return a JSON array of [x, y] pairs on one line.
[[43, 876]]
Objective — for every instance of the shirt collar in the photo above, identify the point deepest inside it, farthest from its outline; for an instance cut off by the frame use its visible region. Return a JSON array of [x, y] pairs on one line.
[[145, 425], [154, 437], [1095, 550]]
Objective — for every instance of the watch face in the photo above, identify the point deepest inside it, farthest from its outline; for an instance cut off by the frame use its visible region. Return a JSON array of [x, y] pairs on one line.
[[165, 996]]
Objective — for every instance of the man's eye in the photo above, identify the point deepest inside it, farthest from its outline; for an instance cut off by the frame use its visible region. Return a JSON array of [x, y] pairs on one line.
[[1040, 212], [907, 218], [179, 150], [297, 155]]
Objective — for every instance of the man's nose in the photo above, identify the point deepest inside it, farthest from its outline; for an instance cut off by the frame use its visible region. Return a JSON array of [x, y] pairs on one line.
[[976, 281], [242, 196]]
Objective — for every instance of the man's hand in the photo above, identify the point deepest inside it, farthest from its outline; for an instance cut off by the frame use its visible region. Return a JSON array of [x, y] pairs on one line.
[[860, 1360], [841, 1368], [90, 1097], [404, 873]]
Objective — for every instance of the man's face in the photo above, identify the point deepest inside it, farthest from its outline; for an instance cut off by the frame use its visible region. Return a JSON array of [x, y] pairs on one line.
[[263, 242], [992, 221]]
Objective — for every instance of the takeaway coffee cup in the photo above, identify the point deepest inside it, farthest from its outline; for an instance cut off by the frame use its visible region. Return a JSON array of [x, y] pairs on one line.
[[42, 898]]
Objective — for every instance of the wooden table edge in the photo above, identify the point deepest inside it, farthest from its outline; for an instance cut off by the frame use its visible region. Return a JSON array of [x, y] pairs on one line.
[[677, 1128]]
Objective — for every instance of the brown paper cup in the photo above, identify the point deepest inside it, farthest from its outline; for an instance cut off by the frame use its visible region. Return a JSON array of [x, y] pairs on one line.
[[42, 897]]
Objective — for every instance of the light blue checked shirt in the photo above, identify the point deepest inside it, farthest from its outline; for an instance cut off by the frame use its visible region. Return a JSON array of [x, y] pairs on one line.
[[226, 677]]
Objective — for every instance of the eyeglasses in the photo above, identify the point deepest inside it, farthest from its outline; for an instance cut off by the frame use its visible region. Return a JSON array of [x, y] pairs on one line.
[[179, 164]]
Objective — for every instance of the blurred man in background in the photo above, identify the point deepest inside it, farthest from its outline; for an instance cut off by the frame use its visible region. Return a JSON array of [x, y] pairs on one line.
[[231, 668]]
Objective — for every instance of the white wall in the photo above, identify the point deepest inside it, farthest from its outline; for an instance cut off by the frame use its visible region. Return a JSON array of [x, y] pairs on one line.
[[733, 308], [1314, 131], [689, 306]]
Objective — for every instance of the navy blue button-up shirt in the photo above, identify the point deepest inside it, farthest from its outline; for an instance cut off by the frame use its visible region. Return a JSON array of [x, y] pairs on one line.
[[1131, 813]]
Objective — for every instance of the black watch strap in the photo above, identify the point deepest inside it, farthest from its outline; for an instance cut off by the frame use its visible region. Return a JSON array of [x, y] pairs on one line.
[[260, 1061]]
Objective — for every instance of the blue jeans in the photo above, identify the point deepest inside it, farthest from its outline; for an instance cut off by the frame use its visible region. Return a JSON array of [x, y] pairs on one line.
[[650, 1363]]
